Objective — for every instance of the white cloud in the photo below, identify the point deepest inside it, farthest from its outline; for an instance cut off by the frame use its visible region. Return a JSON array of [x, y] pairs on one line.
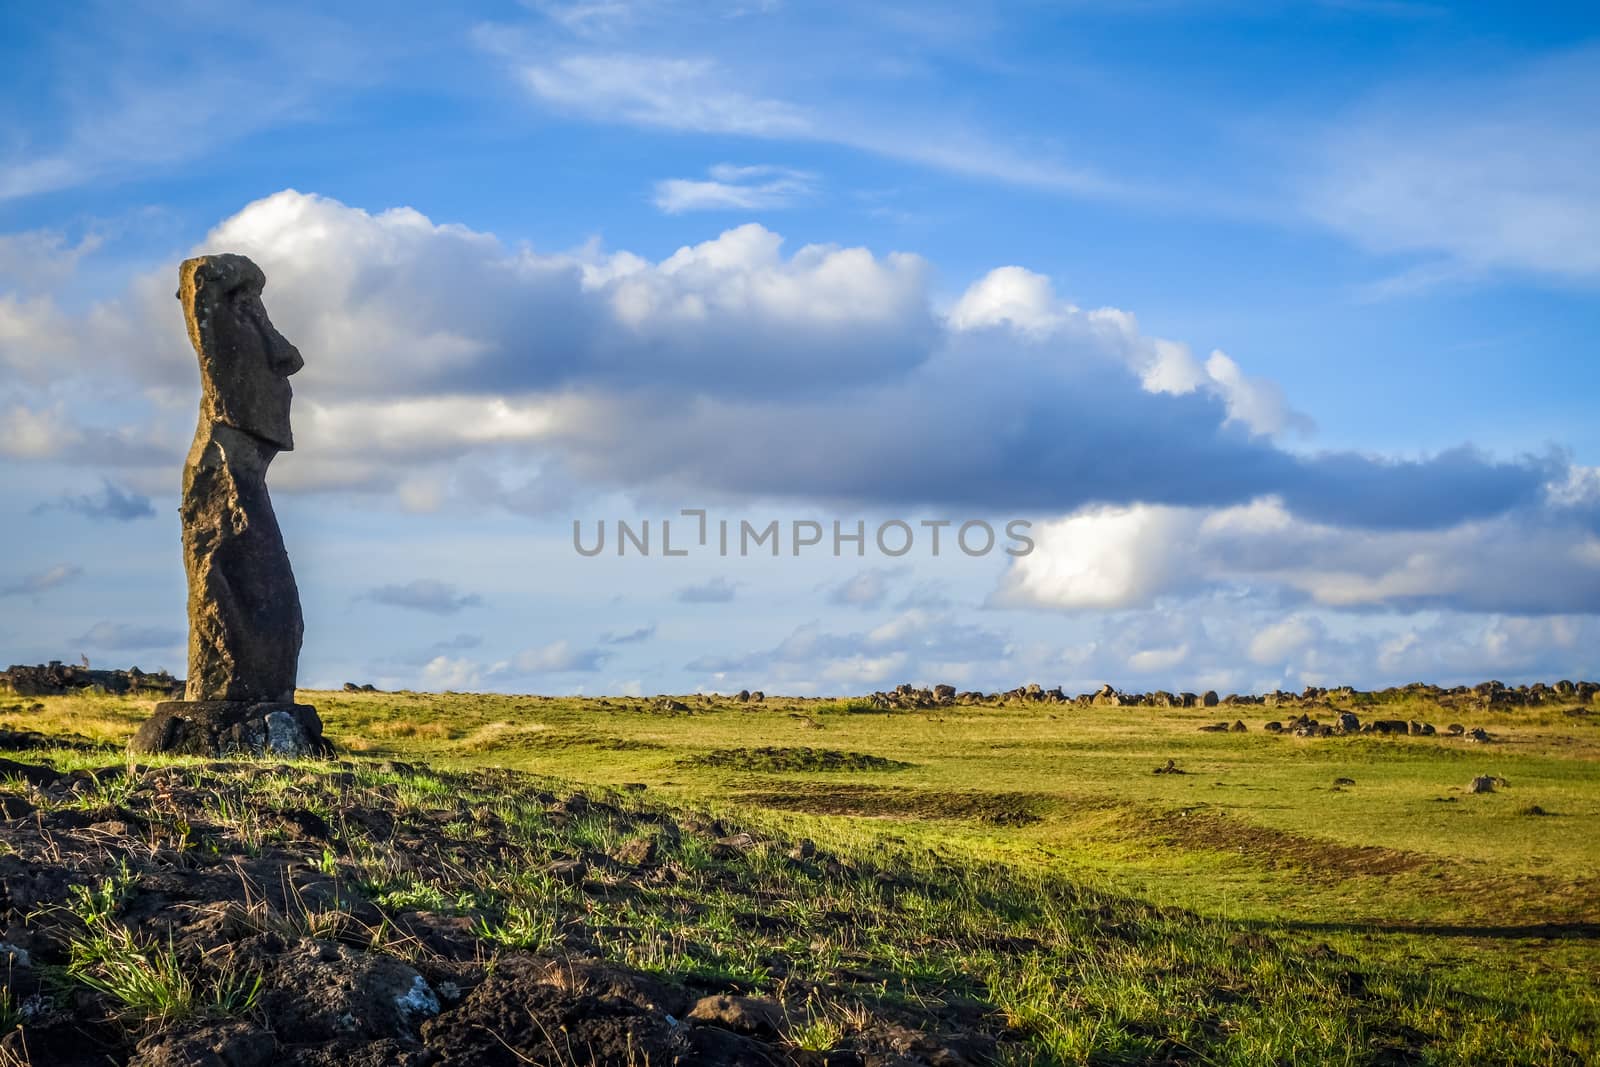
[[692, 92], [560, 657], [1156, 660], [440, 360], [915, 646], [735, 189], [689, 94], [424, 594], [1026, 302], [868, 589], [1101, 558], [451, 673], [1281, 640], [1491, 172], [1541, 561], [28, 433], [123, 112], [1010, 296], [710, 591], [42, 581], [40, 260]]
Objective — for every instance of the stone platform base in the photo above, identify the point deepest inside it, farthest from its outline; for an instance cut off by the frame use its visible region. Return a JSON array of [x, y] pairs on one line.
[[231, 728]]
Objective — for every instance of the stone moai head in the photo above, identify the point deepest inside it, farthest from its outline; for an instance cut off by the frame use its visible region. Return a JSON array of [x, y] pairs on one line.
[[245, 362]]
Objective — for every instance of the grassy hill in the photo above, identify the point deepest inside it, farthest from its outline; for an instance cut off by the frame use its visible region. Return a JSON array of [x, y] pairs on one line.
[[1005, 881]]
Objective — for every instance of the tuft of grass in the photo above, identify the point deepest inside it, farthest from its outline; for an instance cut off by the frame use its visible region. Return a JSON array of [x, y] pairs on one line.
[[149, 983], [523, 927]]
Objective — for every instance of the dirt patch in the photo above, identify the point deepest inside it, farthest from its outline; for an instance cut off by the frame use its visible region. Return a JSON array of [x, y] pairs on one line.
[[791, 759], [1274, 849], [994, 809]]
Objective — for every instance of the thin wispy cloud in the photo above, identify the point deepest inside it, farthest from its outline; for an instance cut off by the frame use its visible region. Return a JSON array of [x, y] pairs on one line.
[[868, 589], [42, 581], [560, 657], [125, 112], [688, 94], [710, 591], [698, 94], [731, 188], [111, 502], [630, 637], [1490, 172], [425, 595]]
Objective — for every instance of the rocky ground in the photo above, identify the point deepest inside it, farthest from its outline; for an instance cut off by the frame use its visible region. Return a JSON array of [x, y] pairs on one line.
[[245, 914], [983, 892]]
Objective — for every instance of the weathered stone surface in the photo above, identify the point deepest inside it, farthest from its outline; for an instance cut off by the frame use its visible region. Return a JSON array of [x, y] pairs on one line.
[[245, 626], [232, 727], [55, 678]]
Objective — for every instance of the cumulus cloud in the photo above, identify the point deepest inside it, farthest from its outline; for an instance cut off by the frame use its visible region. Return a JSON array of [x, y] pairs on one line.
[[111, 502], [710, 591], [731, 188], [424, 594], [1281, 640], [1544, 560], [42, 581], [447, 673], [433, 350], [630, 637]]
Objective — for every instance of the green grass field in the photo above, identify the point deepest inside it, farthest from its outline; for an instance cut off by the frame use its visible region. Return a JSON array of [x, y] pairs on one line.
[[1462, 928]]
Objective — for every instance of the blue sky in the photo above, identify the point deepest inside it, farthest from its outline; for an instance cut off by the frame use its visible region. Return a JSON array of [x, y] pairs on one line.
[[1275, 320]]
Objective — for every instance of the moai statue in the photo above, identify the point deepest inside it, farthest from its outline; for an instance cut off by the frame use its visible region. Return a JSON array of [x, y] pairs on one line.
[[245, 626]]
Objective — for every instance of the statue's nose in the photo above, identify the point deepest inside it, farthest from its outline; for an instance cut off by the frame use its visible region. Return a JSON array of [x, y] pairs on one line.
[[283, 355]]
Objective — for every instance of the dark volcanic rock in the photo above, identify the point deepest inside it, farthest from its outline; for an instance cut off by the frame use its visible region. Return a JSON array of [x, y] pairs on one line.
[[57, 679], [245, 625], [230, 727]]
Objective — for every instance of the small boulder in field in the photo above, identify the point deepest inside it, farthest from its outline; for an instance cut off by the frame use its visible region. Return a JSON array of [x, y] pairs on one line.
[[14, 807], [1349, 723], [751, 1016], [734, 845], [1273, 727], [639, 852], [1209, 699], [1215, 728], [1479, 735], [568, 872], [1455, 729], [1485, 783], [1170, 768], [1238, 726], [33, 774], [1344, 781]]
